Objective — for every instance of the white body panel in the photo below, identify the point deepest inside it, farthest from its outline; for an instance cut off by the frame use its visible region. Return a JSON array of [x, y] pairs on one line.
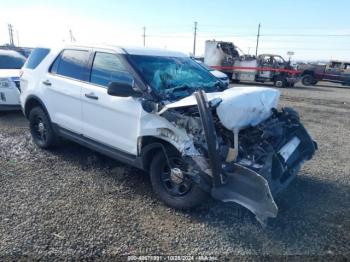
[[245, 74], [63, 101], [213, 56], [222, 76], [111, 120], [9, 96]]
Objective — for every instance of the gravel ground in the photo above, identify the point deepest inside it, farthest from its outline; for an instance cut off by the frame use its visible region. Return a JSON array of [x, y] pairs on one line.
[[72, 202]]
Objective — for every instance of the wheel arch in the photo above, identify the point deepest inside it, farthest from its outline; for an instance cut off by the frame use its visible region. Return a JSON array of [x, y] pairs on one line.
[[149, 146], [34, 101], [308, 72]]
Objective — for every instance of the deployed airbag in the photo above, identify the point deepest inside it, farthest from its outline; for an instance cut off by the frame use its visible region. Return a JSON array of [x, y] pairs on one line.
[[240, 107], [246, 106]]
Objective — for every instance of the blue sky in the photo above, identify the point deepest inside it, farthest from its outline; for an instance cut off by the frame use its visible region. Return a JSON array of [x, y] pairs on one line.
[[312, 29]]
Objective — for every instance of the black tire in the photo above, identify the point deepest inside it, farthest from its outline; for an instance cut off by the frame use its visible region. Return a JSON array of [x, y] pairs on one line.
[[189, 194], [280, 82], [308, 80], [41, 129]]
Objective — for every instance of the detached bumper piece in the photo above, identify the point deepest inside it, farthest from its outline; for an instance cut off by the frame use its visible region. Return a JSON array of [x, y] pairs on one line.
[[270, 155]]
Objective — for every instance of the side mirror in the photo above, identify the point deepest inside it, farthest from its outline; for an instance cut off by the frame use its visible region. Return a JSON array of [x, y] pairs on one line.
[[122, 89]]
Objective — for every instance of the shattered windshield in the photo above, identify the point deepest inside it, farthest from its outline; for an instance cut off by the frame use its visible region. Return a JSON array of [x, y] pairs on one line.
[[174, 77]]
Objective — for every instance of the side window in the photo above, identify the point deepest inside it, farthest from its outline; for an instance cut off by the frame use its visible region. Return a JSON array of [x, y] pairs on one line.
[[107, 68], [71, 63], [35, 58], [335, 65], [279, 60]]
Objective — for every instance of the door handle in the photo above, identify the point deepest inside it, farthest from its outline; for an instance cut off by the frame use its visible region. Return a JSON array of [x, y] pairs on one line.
[[91, 96], [47, 82]]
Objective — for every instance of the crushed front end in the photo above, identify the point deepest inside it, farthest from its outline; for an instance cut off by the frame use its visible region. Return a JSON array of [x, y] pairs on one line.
[[247, 164]]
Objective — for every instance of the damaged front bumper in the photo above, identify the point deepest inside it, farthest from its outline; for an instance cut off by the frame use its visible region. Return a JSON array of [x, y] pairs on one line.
[[248, 181]]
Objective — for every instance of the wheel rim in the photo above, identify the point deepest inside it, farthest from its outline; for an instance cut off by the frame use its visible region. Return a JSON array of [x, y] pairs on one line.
[[175, 180], [307, 80], [279, 83], [40, 130]]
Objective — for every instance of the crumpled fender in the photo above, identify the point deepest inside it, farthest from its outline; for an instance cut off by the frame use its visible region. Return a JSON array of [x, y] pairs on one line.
[[241, 185], [249, 189]]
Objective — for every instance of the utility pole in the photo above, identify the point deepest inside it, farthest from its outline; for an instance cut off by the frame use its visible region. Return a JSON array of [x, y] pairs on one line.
[[17, 38], [10, 27], [195, 38], [144, 36], [257, 41], [72, 39]]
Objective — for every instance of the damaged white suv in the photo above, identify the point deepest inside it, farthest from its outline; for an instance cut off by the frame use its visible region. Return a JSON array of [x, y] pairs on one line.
[[162, 112]]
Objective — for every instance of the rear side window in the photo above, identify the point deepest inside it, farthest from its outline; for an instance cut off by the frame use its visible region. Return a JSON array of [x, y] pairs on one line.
[[71, 63], [35, 58], [107, 68]]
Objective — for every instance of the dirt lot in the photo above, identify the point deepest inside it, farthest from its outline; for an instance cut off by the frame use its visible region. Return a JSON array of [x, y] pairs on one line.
[[74, 202]]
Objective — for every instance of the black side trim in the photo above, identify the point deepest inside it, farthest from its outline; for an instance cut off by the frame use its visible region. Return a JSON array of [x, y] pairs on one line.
[[116, 154], [9, 107]]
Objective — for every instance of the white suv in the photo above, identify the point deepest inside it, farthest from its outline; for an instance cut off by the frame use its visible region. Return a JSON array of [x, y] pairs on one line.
[[162, 112]]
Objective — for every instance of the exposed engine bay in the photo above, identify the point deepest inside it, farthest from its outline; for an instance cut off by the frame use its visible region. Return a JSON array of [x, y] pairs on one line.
[[245, 157]]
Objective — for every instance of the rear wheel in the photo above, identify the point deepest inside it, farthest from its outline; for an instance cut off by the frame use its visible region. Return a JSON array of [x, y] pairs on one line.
[[40, 128], [308, 80], [173, 184]]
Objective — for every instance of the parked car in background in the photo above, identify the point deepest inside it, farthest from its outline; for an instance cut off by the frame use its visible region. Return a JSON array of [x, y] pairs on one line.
[[218, 74], [162, 112], [334, 71], [10, 64]]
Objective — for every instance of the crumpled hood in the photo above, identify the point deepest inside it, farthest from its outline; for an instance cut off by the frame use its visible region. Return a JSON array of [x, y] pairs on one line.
[[240, 106]]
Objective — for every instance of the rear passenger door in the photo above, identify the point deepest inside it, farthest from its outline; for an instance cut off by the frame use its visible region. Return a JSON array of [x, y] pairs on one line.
[[63, 88], [110, 120]]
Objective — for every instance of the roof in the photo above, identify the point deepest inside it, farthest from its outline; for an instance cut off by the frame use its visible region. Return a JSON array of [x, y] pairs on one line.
[[136, 50], [133, 50]]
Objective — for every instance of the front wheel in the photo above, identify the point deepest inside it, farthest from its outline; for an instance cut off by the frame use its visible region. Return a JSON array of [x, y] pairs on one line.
[[280, 82], [40, 128], [308, 80], [172, 184]]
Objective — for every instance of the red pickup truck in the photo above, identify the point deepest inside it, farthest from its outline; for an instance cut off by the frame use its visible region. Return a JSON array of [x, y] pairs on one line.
[[334, 71]]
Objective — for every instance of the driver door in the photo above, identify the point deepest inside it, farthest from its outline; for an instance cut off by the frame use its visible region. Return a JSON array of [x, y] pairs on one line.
[[109, 120], [345, 73], [333, 71]]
